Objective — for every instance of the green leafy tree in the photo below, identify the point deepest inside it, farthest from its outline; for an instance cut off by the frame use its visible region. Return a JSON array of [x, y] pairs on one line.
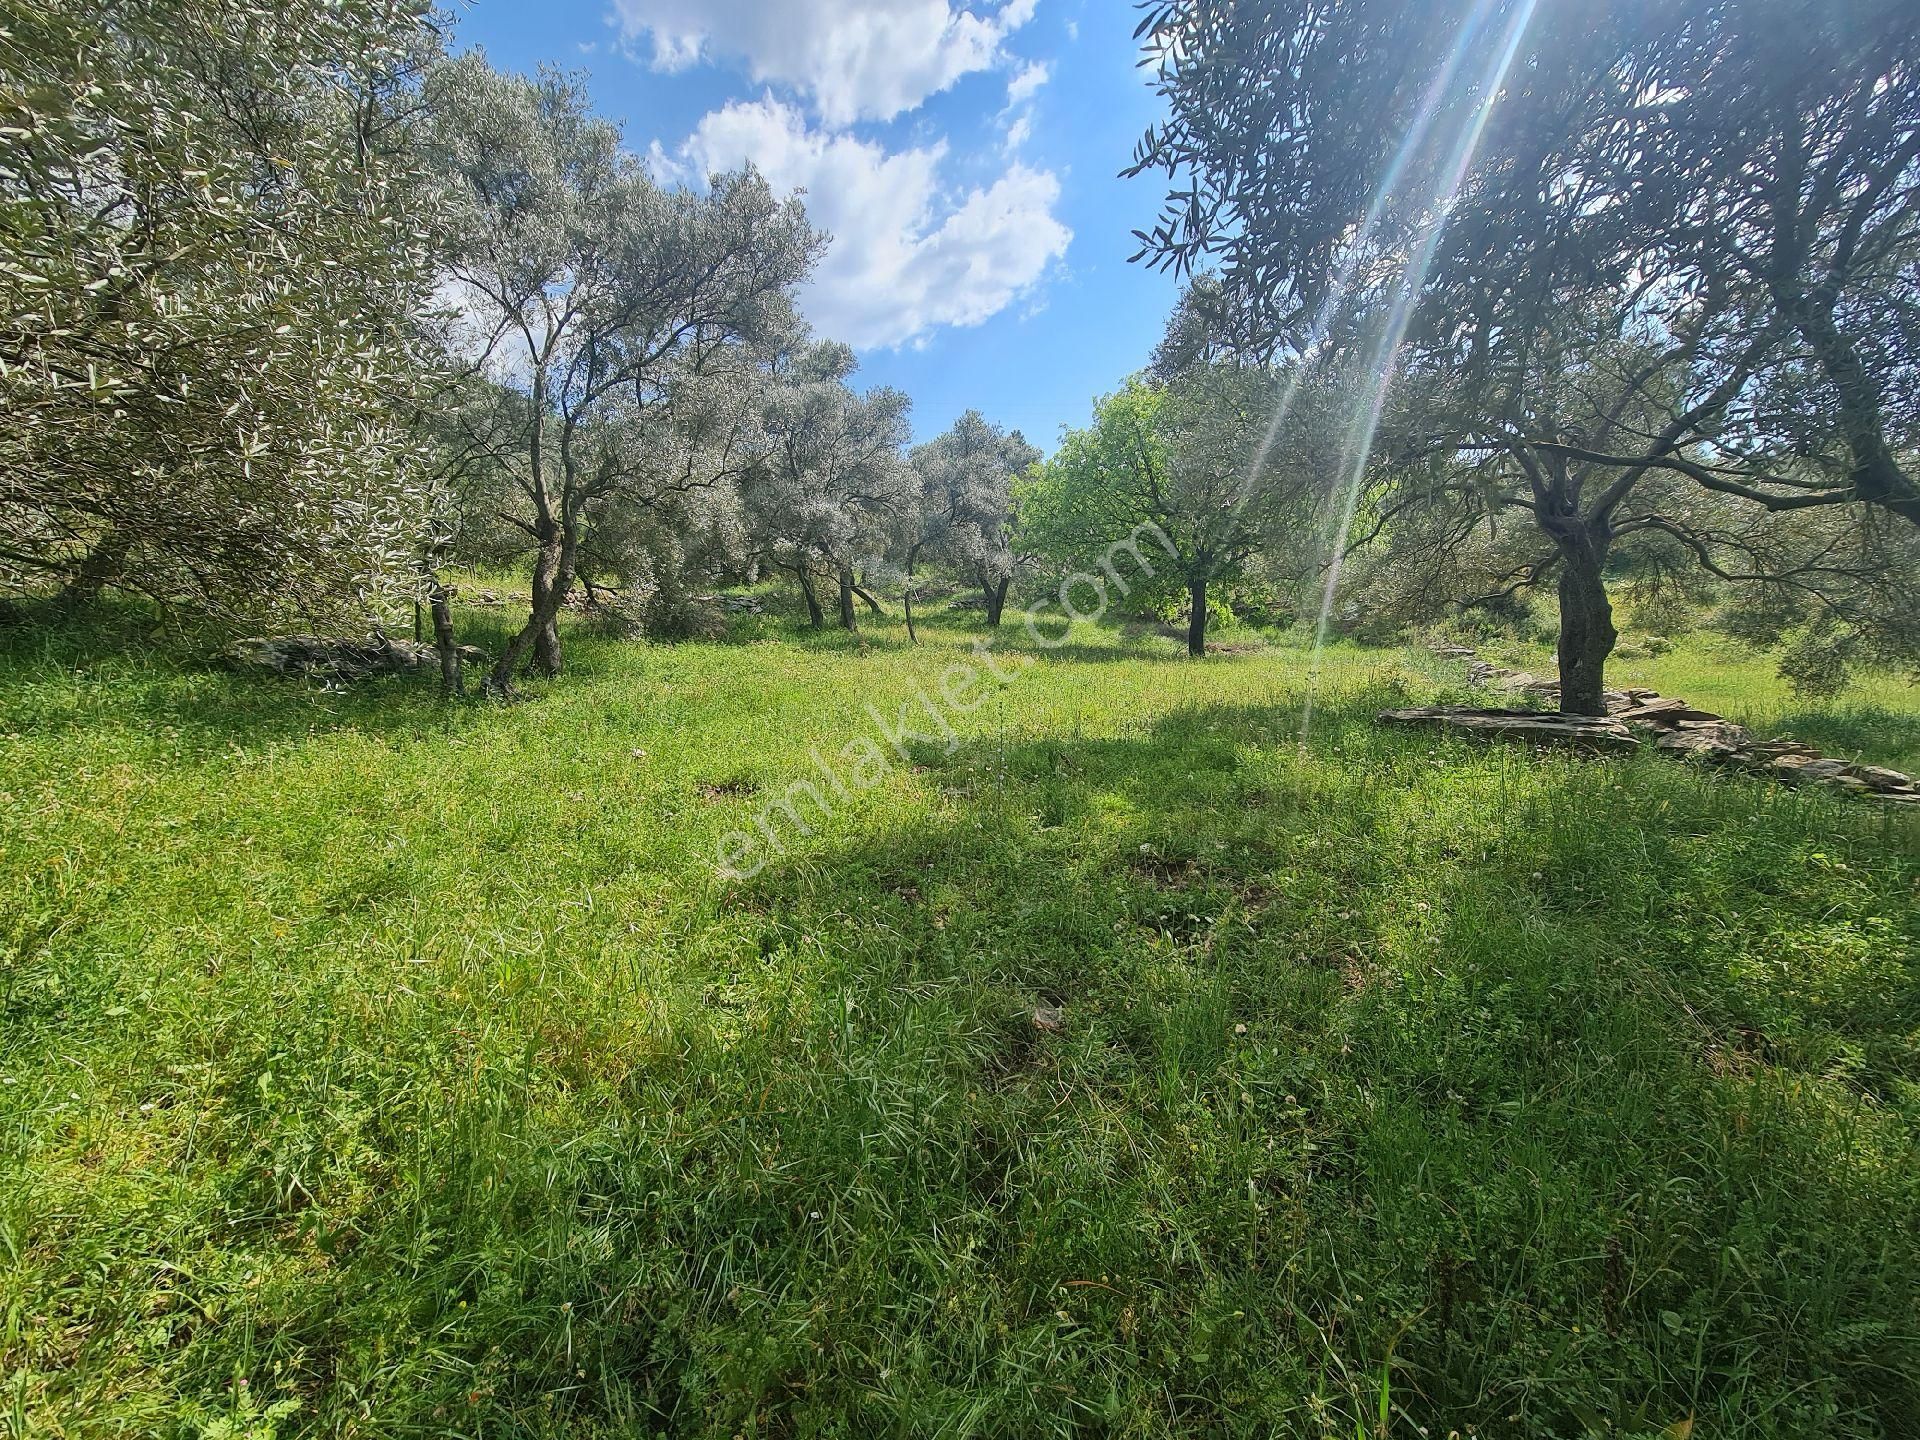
[[1190, 462], [212, 248], [964, 511], [636, 320]]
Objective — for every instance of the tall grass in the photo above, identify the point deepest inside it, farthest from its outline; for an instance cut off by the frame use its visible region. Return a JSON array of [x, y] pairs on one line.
[[371, 1067]]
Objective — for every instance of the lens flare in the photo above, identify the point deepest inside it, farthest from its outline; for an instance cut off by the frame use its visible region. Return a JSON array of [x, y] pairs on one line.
[[1384, 361]]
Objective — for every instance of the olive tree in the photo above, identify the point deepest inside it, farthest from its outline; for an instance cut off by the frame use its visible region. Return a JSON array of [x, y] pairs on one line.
[[1703, 208], [212, 248], [963, 513], [833, 480], [615, 305]]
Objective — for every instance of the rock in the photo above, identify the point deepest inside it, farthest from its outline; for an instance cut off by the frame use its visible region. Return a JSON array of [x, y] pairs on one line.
[[1591, 733], [1453, 652], [1676, 728], [1800, 769], [1658, 710], [1724, 732], [1705, 742], [1767, 749], [329, 657], [1882, 780], [473, 655]]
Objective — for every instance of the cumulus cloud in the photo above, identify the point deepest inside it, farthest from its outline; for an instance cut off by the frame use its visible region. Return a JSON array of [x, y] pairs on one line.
[[852, 59], [906, 258]]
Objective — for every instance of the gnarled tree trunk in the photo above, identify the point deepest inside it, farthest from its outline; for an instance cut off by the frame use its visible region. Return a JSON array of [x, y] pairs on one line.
[[996, 593], [552, 577], [816, 617], [452, 680], [1587, 635]]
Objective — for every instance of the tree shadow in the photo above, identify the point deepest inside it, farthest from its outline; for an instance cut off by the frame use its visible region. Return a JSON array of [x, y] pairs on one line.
[[124, 667], [1440, 1025]]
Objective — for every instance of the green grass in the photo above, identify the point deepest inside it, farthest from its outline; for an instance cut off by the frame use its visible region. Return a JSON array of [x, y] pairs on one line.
[[377, 1068]]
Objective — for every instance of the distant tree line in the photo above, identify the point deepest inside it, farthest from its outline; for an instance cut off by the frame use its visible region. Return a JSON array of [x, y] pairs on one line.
[[299, 311]]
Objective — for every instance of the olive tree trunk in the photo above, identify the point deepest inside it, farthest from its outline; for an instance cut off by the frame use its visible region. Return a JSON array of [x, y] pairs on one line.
[[1587, 635], [996, 593], [848, 620], [906, 595], [552, 577], [1197, 615], [452, 680], [816, 617]]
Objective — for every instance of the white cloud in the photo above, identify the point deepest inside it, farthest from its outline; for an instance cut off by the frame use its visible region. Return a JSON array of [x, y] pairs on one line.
[[852, 59], [1024, 85], [905, 259]]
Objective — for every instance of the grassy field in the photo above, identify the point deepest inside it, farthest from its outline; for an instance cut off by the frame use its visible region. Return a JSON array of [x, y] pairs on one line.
[[378, 1068]]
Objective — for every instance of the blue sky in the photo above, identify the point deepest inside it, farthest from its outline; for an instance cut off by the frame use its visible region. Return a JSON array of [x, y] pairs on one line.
[[963, 152]]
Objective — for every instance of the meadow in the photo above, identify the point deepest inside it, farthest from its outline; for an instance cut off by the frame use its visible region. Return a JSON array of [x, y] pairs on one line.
[[1127, 1066]]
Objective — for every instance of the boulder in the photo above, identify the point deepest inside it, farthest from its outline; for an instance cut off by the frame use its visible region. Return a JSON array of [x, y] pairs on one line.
[[1768, 749], [1705, 741], [1661, 710], [1590, 733]]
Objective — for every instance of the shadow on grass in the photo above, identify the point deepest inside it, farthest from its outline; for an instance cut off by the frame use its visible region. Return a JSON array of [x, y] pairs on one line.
[[1485, 1058]]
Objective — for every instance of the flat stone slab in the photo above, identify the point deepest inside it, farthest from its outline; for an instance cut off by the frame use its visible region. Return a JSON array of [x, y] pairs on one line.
[[1707, 742], [1885, 781], [1592, 733]]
